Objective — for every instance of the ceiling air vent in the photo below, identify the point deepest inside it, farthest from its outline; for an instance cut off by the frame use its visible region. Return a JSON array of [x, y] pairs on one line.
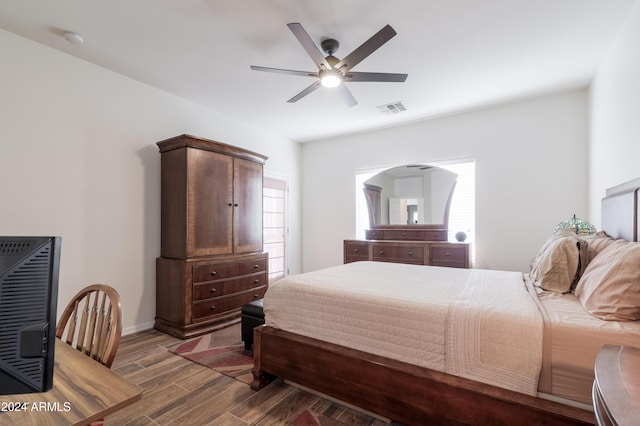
[[392, 108]]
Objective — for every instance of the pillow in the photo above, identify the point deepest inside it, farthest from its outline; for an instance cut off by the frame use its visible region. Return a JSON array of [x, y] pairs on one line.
[[595, 244], [609, 289], [557, 264]]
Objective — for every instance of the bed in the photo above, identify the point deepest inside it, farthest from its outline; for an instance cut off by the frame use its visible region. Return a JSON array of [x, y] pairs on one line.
[[431, 345]]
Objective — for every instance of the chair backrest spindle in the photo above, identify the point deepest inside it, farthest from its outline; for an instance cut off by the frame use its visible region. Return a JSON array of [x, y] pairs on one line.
[[98, 334]]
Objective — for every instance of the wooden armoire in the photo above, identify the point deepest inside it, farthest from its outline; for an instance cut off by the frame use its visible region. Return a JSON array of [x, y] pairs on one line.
[[211, 257]]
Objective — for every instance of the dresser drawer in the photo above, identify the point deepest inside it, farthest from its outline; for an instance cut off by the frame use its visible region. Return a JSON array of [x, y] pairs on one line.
[[398, 253], [383, 252], [436, 235], [403, 235], [221, 271], [224, 304], [374, 234], [355, 251], [223, 288], [452, 256], [410, 253]]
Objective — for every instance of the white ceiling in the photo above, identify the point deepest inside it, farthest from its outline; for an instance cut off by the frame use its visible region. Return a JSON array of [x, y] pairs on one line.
[[459, 54]]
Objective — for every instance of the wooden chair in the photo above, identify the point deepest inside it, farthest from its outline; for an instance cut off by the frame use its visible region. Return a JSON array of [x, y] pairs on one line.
[[92, 323]]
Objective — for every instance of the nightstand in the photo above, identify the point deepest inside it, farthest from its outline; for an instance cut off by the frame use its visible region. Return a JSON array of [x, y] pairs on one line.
[[616, 388]]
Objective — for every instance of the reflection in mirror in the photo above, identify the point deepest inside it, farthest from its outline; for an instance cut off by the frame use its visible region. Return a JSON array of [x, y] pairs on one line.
[[415, 194]]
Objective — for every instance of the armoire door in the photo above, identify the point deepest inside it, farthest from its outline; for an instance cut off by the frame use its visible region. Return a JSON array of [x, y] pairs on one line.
[[209, 203], [247, 213]]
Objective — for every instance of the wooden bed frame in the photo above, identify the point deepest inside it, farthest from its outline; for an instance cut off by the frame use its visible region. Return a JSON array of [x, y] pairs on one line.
[[417, 395]]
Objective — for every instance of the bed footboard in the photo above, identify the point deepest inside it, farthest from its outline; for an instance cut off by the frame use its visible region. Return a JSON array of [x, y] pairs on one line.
[[396, 390]]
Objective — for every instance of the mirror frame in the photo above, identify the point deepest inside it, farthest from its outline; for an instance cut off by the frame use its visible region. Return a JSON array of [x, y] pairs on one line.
[[372, 197]]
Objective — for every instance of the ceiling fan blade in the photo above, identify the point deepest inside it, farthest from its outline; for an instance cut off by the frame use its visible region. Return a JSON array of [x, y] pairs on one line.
[[282, 71], [305, 92], [308, 44], [366, 48], [376, 76], [346, 95]]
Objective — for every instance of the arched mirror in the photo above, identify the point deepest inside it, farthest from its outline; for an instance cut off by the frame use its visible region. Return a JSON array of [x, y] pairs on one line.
[[410, 197]]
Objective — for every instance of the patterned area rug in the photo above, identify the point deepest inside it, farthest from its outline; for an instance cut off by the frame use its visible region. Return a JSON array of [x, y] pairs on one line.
[[311, 418], [232, 361]]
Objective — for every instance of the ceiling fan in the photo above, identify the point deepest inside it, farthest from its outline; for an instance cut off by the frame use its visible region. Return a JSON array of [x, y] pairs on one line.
[[332, 72]]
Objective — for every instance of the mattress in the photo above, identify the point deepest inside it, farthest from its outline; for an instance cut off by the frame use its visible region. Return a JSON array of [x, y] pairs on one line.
[[572, 339], [479, 324]]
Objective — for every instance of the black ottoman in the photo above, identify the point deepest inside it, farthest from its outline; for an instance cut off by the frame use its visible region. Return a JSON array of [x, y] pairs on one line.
[[252, 316]]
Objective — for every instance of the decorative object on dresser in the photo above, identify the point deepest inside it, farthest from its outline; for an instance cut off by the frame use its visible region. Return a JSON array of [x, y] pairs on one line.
[[616, 389], [409, 218], [212, 260]]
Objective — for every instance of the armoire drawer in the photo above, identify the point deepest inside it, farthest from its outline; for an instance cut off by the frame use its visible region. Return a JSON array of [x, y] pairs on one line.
[[205, 308], [221, 271], [223, 288]]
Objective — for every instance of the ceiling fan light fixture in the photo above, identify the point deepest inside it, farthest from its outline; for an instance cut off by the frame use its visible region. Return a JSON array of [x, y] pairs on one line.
[[330, 79]]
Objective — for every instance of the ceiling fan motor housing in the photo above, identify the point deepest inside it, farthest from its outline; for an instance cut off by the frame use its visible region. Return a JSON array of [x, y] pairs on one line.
[[330, 46]]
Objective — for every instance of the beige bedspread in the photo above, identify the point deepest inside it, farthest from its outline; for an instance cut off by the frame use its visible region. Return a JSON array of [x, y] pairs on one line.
[[478, 324]]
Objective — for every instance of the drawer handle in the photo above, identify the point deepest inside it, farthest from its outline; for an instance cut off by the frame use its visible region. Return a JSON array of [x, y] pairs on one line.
[[256, 281], [404, 234], [381, 251], [355, 250], [256, 266], [410, 253], [256, 296], [447, 254], [214, 273], [213, 290], [235, 204], [212, 308]]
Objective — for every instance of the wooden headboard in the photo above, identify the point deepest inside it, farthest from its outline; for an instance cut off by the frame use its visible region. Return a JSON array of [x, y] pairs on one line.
[[620, 211]]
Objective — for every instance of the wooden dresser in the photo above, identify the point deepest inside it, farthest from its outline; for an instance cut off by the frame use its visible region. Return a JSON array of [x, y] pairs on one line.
[[616, 389], [212, 260], [435, 253]]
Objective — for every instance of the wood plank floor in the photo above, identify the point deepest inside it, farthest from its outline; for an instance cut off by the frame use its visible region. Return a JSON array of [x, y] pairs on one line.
[[178, 391]]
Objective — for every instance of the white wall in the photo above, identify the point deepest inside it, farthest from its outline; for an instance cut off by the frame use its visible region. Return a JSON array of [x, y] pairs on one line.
[[615, 116], [531, 173], [78, 159]]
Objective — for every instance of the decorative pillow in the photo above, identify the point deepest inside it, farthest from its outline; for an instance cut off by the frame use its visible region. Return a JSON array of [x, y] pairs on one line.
[[557, 264], [609, 289]]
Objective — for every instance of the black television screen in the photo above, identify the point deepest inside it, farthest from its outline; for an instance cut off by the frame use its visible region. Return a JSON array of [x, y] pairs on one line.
[[29, 269]]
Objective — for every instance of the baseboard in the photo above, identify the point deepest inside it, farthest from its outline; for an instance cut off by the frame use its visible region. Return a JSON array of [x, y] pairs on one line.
[[137, 327]]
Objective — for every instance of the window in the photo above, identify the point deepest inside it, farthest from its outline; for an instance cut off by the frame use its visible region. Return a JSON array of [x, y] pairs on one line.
[[274, 226], [462, 211]]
